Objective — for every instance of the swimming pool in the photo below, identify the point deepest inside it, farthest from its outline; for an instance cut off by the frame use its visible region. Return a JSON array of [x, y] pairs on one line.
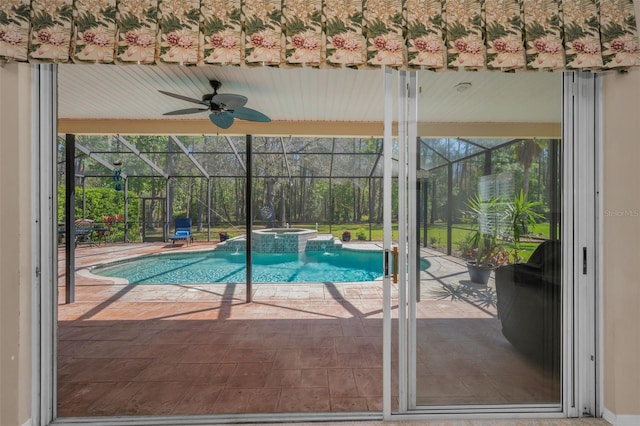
[[228, 267]]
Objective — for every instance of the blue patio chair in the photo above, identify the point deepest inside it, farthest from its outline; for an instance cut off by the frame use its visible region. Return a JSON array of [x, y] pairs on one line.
[[183, 231]]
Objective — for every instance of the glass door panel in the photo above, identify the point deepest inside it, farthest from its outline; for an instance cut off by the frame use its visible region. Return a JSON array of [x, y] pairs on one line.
[[494, 339], [316, 262], [481, 205]]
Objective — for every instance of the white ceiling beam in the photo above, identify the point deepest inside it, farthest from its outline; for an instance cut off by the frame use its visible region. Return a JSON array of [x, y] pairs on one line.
[[309, 128]]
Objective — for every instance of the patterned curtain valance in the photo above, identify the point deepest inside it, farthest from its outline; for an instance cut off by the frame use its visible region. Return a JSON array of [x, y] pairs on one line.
[[430, 34]]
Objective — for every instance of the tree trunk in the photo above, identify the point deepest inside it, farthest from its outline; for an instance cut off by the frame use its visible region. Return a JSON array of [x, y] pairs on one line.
[[152, 205], [380, 200], [170, 172], [223, 205], [283, 217], [190, 196], [270, 186], [434, 204], [202, 204], [356, 200], [525, 180]]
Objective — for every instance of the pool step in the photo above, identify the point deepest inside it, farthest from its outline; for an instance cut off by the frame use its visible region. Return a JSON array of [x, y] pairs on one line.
[[324, 242]]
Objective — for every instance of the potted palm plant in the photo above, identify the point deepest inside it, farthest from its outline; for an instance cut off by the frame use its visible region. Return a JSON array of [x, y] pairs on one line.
[[522, 216], [480, 247]]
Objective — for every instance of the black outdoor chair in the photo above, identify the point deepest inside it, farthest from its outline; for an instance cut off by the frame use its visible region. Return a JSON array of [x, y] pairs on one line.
[[529, 304]]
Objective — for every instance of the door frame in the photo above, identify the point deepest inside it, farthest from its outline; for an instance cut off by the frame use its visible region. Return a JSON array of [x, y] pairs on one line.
[[582, 115], [581, 100], [162, 202], [44, 294], [581, 97]]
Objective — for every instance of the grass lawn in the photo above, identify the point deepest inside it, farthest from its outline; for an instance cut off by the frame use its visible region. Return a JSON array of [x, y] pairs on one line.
[[437, 237], [436, 234]]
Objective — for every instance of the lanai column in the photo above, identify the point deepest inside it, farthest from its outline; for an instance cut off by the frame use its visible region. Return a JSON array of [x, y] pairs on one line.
[[70, 225], [126, 210], [249, 213]]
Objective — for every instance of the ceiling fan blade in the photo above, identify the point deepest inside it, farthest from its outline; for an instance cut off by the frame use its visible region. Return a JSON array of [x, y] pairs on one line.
[[222, 119], [184, 98], [186, 111], [244, 113], [229, 100]]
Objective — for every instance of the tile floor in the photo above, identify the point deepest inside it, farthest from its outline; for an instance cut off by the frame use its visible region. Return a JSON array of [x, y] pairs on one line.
[[200, 349]]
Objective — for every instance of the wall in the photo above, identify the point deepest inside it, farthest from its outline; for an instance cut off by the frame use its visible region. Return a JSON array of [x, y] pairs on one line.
[[621, 234], [621, 254], [15, 250]]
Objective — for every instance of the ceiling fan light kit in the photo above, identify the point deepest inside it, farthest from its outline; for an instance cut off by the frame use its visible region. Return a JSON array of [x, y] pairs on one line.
[[224, 107]]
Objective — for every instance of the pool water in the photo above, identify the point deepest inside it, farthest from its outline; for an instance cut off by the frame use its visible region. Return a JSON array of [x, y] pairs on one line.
[[228, 267]]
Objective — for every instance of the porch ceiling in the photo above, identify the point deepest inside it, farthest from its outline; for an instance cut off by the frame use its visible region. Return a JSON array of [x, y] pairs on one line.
[[304, 101]]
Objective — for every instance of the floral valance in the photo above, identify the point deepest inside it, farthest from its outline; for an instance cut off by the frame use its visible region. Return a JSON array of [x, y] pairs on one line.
[[428, 34]]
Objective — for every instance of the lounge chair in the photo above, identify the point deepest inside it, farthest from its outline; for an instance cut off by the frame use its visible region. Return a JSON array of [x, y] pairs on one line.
[[529, 304], [183, 231]]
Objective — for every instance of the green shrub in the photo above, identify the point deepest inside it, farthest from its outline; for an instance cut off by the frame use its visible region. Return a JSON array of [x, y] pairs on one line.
[[101, 205]]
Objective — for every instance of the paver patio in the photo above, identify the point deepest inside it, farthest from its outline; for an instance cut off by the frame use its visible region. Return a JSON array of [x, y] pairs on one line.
[[200, 349]]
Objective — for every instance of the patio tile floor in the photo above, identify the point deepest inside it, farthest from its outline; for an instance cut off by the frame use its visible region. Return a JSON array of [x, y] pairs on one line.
[[200, 349]]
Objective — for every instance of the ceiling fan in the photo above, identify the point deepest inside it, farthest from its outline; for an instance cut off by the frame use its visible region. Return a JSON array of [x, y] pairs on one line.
[[224, 107]]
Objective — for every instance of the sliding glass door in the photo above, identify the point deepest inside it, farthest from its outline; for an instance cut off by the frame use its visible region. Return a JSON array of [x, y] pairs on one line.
[[488, 326], [478, 323]]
